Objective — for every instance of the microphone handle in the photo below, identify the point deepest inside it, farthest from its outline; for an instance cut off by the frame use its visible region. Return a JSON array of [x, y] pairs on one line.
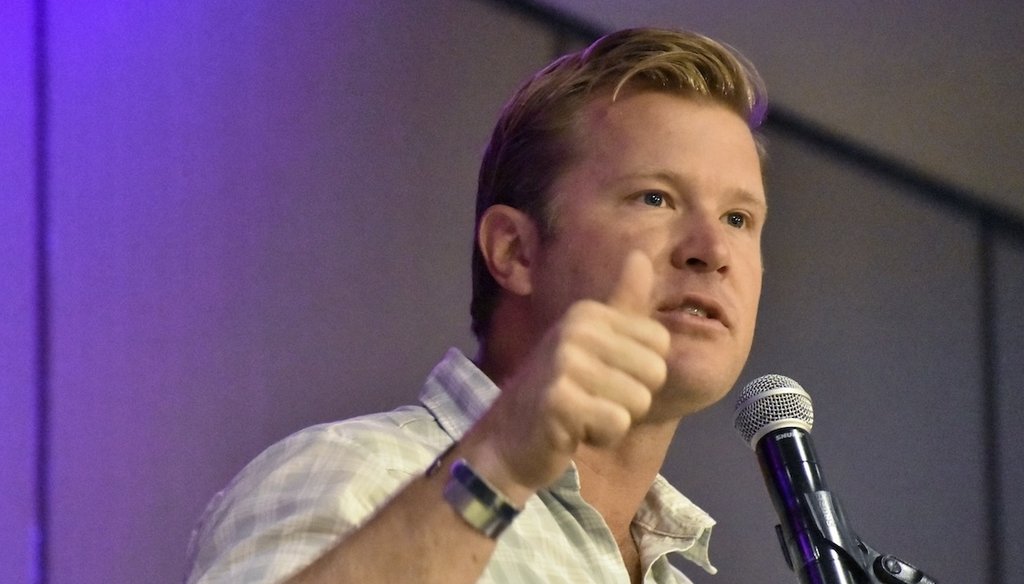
[[816, 541]]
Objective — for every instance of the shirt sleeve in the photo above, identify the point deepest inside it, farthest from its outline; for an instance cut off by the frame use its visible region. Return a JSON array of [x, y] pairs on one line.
[[295, 501]]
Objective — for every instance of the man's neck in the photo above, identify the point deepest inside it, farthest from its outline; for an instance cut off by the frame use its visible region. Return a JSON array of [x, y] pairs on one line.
[[615, 482]]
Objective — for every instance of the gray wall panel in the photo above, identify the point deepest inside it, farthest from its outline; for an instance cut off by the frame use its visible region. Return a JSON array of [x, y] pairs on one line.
[[871, 302], [1009, 296]]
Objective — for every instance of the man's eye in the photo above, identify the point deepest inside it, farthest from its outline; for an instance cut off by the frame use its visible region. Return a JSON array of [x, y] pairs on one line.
[[654, 199], [736, 220]]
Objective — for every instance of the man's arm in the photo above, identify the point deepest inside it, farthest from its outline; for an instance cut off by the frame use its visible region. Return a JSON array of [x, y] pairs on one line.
[[590, 377], [416, 533]]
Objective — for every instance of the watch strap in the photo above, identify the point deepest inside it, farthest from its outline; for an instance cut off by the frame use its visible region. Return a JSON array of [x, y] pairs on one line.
[[477, 502]]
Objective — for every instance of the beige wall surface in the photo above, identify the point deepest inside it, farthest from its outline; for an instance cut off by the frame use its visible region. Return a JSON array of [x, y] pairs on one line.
[[260, 219]]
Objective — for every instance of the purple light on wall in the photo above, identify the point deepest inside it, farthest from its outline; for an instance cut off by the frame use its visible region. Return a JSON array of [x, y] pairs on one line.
[[22, 318]]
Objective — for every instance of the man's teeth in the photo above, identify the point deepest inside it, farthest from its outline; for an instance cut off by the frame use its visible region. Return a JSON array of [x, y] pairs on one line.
[[695, 311]]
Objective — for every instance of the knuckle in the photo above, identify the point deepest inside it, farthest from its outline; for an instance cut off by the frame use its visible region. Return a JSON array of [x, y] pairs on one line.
[[574, 333], [659, 373], [642, 403], [662, 338], [568, 359], [652, 369], [619, 423]]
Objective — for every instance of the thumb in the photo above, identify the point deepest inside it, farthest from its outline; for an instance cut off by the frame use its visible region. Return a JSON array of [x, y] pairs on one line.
[[633, 291]]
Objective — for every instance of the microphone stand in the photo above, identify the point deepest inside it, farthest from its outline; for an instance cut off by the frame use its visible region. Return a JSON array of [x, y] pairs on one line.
[[865, 564]]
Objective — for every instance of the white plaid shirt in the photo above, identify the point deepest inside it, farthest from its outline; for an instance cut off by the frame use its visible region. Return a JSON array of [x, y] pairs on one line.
[[301, 496]]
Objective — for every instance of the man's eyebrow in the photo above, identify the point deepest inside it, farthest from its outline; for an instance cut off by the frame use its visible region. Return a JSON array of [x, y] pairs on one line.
[[749, 198]]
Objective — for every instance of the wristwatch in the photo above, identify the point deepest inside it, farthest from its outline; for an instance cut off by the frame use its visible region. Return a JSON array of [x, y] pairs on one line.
[[477, 502]]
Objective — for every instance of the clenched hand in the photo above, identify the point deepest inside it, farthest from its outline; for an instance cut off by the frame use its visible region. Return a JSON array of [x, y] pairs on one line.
[[591, 377]]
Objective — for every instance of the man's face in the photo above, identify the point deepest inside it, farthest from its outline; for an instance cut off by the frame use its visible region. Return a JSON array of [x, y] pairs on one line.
[[681, 181]]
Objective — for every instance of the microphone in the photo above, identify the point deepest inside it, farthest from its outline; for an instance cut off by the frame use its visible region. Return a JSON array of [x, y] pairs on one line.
[[774, 415]]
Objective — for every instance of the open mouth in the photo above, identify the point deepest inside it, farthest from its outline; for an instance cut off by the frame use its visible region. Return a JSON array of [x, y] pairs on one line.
[[695, 310], [702, 308]]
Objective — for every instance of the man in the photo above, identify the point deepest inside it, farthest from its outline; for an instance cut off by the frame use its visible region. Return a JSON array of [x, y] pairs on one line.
[[617, 271]]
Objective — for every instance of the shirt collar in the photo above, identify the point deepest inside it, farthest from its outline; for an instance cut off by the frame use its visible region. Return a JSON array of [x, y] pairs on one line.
[[666, 522], [670, 522], [457, 393]]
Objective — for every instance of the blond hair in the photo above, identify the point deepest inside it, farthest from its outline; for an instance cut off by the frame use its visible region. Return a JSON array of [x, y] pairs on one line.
[[533, 139]]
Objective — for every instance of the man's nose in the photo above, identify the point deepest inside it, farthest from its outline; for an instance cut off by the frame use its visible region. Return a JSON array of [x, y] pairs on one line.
[[702, 244]]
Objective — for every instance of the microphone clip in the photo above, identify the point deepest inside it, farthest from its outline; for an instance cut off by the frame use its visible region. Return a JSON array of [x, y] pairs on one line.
[[870, 566]]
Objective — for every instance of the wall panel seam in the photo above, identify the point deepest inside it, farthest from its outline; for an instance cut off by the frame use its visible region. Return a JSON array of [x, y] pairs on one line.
[[39, 537]]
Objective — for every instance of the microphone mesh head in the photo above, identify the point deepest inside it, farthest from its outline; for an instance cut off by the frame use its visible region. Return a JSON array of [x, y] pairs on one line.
[[771, 402]]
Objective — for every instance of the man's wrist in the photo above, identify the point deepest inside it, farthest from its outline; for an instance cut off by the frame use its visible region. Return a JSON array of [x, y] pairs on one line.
[[479, 504]]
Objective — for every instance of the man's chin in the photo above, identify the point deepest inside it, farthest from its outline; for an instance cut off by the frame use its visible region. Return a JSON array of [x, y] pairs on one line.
[[684, 395]]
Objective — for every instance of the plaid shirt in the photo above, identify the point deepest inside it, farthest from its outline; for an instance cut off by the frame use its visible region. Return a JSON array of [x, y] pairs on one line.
[[301, 496]]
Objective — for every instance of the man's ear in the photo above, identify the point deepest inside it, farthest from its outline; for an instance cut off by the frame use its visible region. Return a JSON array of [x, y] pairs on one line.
[[509, 240]]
